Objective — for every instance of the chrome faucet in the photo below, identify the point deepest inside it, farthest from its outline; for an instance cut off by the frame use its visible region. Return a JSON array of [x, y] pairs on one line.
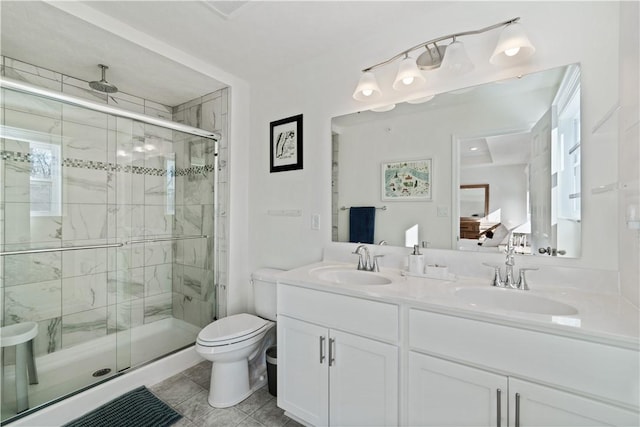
[[509, 262], [365, 263], [509, 280]]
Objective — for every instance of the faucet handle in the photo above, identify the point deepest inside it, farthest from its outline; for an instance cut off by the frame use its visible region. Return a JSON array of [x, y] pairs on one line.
[[375, 266], [522, 280], [497, 280]]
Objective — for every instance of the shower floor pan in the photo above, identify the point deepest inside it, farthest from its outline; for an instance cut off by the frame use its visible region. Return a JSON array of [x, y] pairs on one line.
[[69, 370]]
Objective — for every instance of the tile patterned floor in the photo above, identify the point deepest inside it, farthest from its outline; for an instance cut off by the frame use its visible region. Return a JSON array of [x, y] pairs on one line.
[[187, 393]]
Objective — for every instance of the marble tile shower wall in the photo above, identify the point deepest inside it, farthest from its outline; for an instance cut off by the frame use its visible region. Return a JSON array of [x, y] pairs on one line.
[[197, 262], [113, 189]]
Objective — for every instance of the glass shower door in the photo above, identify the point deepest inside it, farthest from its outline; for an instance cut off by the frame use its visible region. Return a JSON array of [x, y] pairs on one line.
[[107, 235], [58, 230]]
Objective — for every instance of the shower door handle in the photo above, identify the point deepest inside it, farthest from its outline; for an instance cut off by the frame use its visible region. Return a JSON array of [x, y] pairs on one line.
[[322, 356]]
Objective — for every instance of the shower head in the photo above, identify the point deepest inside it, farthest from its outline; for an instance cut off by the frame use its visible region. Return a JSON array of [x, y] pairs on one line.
[[103, 85]]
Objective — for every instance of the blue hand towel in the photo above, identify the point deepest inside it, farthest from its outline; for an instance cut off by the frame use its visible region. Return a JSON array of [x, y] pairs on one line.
[[361, 224]]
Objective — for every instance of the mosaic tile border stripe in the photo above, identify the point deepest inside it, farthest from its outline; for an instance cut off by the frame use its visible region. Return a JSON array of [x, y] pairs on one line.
[[112, 167]]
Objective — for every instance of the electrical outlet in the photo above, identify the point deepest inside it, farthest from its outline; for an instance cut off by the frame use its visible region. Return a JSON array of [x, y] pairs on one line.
[[315, 222]]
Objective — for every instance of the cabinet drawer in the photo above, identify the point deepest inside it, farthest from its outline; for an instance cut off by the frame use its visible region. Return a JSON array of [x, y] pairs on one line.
[[596, 369], [364, 317]]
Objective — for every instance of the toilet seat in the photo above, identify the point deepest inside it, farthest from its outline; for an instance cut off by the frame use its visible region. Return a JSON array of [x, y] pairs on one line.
[[232, 329]]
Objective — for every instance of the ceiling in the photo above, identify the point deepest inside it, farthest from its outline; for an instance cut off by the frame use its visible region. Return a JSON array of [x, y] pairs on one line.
[[247, 39], [496, 150]]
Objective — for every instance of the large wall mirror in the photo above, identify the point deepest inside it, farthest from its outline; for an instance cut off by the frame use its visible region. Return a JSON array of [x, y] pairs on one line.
[[518, 137]]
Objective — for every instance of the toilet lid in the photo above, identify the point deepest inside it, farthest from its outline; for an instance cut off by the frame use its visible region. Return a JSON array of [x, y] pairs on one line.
[[241, 325]]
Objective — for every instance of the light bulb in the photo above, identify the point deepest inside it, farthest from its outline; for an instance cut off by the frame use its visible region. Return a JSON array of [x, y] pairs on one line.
[[513, 45], [408, 75], [367, 88], [512, 52]]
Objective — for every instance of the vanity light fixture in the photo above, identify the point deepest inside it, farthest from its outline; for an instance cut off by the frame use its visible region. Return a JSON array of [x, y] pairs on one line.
[[456, 61], [513, 45], [368, 88], [409, 76]]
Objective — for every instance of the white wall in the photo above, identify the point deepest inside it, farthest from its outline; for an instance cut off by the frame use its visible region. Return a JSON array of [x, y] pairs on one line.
[[563, 33]]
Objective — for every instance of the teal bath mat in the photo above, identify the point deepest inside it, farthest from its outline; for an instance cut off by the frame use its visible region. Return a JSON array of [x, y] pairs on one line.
[[137, 408]]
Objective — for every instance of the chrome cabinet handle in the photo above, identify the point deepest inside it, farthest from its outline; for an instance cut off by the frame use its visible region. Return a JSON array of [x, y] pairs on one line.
[[322, 356], [332, 359], [499, 408], [517, 409]]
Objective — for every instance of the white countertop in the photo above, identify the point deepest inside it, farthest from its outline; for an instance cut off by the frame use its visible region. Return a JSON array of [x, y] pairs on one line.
[[601, 317]]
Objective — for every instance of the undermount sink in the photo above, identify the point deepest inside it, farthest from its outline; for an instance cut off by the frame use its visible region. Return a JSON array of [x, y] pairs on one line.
[[513, 300], [345, 276]]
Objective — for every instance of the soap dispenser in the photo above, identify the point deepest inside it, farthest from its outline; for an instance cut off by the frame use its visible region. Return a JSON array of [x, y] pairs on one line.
[[416, 261]]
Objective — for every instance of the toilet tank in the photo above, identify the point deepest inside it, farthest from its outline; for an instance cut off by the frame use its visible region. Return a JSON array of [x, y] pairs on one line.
[[264, 292]]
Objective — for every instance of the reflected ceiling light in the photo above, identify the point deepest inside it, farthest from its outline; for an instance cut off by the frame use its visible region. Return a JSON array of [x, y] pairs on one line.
[[456, 61], [421, 100], [368, 88], [451, 58], [513, 45], [409, 76], [385, 108]]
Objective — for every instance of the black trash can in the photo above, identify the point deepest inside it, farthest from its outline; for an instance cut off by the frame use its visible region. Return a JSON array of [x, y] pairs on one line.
[[272, 369]]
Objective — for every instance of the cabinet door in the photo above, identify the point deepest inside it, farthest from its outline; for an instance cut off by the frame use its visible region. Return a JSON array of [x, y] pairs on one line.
[[363, 381], [545, 406], [302, 375], [444, 393]]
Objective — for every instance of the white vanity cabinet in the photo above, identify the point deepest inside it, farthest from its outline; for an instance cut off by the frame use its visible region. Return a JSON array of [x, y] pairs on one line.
[[473, 375], [443, 393], [533, 404], [337, 358]]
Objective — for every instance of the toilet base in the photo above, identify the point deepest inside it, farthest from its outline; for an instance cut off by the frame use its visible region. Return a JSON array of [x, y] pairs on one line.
[[229, 383]]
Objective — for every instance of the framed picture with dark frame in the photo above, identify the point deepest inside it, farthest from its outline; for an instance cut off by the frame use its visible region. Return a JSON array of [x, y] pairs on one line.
[[286, 144]]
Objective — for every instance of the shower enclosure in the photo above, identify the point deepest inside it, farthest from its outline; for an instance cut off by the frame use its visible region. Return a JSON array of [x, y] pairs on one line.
[[107, 237]]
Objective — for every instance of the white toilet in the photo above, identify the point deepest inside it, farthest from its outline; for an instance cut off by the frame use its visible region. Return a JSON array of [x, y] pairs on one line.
[[236, 343]]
